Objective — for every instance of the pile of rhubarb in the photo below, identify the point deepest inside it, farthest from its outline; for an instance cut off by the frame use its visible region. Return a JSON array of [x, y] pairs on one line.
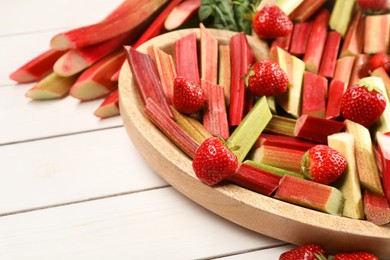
[[85, 62], [327, 52]]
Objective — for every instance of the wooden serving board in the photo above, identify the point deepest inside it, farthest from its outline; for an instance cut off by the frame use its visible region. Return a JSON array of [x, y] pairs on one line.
[[265, 215]]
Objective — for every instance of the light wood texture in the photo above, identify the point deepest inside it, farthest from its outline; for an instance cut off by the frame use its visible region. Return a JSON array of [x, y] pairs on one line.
[[256, 212]]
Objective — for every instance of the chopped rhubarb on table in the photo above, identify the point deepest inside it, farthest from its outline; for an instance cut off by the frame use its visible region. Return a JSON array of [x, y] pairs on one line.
[[285, 141], [186, 57], [37, 68], [208, 55], [181, 14], [354, 39], [255, 179], [376, 33], [146, 78], [310, 194], [335, 94], [109, 107], [95, 82], [170, 128], [215, 115], [136, 15], [344, 68], [317, 129], [376, 208], [299, 38], [314, 94], [305, 10], [329, 57], [316, 43], [241, 58]]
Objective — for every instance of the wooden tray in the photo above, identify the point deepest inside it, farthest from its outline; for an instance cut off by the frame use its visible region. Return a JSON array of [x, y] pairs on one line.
[[265, 215]]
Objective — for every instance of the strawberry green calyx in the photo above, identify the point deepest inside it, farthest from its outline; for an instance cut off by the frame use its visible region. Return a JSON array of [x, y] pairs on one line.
[[305, 166], [369, 85]]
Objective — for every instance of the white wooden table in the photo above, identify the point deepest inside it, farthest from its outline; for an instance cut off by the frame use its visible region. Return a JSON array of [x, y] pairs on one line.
[[73, 186]]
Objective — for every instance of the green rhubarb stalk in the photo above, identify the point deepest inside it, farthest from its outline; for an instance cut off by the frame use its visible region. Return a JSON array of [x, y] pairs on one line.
[[341, 15], [281, 125], [250, 128], [272, 169]]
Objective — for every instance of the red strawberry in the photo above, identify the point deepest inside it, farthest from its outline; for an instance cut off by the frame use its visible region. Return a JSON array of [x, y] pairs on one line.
[[323, 164], [380, 60], [373, 6], [305, 252], [266, 78], [271, 22], [355, 256], [188, 96], [213, 161], [362, 104]]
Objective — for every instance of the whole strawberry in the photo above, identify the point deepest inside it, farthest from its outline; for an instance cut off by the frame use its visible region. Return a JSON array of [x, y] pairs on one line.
[[323, 164], [355, 256], [362, 104], [380, 60], [188, 96], [305, 252], [373, 6], [266, 78], [213, 161], [271, 22]]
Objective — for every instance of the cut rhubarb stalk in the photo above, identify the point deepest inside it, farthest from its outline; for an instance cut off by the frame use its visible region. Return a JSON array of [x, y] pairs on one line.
[[286, 142], [255, 179], [250, 128], [170, 128], [331, 51], [192, 126], [282, 42], [288, 6], [376, 208], [37, 68], [186, 58], [383, 122], [376, 33], [95, 82], [241, 58], [146, 78], [365, 159], [305, 10], [224, 72], [361, 68], [51, 87], [271, 169], [314, 94], [299, 38], [341, 15], [166, 70], [310, 194], [280, 157], [215, 116], [208, 55], [354, 39], [74, 61], [348, 182], [381, 73], [344, 68], [317, 129], [336, 92], [109, 107], [283, 59], [181, 14], [384, 151], [291, 100], [137, 15], [281, 125], [316, 43]]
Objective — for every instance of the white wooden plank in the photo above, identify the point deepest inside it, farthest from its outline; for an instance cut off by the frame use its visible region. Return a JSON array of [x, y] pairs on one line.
[[21, 16], [156, 224], [71, 168], [22, 119]]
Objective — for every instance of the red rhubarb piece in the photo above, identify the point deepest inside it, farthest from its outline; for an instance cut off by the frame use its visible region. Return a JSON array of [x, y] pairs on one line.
[[109, 107], [186, 58], [344, 68], [361, 68], [208, 55], [376, 208], [354, 39], [329, 57], [285, 141], [305, 10], [336, 92], [299, 38], [314, 94], [384, 151], [181, 14]]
